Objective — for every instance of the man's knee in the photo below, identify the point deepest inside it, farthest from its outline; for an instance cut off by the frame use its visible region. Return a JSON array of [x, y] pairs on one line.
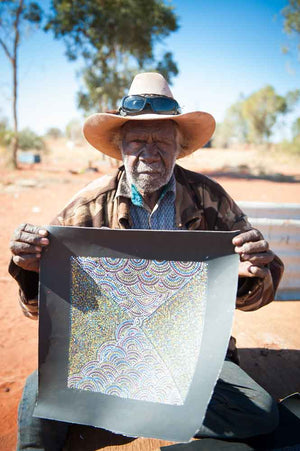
[[260, 416], [239, 407], [29, 395], [31, 383], [37, 433]]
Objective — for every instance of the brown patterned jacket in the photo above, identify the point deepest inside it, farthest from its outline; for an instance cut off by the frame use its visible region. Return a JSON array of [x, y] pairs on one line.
[[201, 204]]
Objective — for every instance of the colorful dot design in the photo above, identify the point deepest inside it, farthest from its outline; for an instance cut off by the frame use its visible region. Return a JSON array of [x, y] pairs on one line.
[[136, 327]]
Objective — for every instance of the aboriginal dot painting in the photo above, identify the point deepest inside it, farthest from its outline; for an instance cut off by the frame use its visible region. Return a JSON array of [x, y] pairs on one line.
[[136, 327]]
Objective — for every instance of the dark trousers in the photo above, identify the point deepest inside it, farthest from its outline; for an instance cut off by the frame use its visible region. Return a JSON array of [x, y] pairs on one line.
[[239, 408]]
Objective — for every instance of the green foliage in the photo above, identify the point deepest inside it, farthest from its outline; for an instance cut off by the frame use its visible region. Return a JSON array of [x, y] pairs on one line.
[[29, 140], [261, 110], [167, 67], [116, 38], [33, 12], [109, 26], [234, 128], [5, 132], [251, 119], [29, 13], [103, 90], [291, 14]]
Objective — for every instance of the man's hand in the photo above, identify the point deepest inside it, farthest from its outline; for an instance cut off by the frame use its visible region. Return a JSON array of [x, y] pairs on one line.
[[254, 254], [27, 244]]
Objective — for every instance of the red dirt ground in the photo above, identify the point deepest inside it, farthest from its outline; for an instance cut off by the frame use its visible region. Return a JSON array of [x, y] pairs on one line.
[[269, 329]]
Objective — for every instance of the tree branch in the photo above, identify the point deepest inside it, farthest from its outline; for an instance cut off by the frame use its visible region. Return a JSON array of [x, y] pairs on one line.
[[16, 27], [7, 52]]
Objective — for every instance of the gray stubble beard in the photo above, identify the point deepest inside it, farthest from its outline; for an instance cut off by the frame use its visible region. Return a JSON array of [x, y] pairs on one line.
[[146, 183]]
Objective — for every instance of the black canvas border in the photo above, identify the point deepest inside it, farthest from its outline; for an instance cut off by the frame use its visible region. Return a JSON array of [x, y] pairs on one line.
[[126, 416]]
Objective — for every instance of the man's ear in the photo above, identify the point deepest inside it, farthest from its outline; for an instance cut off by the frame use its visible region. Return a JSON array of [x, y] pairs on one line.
[[181, 142]]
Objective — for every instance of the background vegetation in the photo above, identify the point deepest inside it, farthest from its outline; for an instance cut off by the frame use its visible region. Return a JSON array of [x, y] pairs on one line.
[[115, 40]]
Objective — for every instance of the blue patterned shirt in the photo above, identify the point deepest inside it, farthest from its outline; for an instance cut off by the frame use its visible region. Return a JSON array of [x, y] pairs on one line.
[[162, 217]]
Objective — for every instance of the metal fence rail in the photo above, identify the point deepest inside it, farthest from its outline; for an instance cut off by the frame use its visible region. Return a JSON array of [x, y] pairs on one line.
[[280, 225]]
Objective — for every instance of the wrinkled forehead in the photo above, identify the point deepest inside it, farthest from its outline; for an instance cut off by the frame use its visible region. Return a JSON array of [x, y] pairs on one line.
[[156, 126]]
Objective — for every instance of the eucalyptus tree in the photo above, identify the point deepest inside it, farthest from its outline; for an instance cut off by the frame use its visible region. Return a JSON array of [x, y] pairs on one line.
[[291, 14], [262, 109], [15, 15], [115, 39]]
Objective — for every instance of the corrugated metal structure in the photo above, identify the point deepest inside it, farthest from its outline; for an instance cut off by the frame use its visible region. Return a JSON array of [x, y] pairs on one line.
[[280, 225]]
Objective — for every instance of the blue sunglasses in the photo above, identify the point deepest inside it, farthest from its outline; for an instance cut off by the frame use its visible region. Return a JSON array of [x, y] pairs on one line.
[[143, 104]]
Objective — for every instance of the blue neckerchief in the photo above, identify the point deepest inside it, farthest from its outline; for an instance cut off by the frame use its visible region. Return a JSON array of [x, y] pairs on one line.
[[137, 199]]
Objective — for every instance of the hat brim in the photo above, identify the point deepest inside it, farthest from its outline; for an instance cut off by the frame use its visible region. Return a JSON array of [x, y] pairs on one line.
[[101, 130]]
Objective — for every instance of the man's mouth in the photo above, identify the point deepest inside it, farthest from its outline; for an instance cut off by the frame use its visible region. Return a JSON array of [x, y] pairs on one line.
[[144, 169], [148, 171]]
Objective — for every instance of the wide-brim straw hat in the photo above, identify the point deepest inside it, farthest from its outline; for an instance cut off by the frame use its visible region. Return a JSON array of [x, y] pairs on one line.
[[102, 129]]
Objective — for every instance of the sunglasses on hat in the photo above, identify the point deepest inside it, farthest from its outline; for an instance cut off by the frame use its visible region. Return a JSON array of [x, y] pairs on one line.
[[138, 104]]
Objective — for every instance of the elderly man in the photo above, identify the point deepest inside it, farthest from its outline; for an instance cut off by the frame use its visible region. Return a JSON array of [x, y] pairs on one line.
[[150, 192]]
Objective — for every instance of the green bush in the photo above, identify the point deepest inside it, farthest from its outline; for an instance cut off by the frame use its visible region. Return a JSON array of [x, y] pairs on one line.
[[5, 132], [29, 140]]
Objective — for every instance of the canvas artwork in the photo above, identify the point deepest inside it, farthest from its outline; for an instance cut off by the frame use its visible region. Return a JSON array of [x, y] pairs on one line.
[[137, 314], [126, 328]]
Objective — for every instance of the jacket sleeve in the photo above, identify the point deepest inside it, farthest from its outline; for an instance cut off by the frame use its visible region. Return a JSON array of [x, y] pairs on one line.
[[82, 210], [28, 282], [253, 292]]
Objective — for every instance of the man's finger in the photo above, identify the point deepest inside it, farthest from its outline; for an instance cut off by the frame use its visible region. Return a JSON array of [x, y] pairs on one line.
[[30, 228], [258, 271], [28, 261], [254, 247], [17, 248], [244, 237], [247, 269], [31, 238], [258, 259]]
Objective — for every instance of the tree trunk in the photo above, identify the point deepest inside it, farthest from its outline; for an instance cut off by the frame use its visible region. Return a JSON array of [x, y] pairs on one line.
[[15, 141]]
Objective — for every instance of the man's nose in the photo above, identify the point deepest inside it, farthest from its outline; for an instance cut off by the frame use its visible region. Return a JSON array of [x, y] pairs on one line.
[[150, 152]]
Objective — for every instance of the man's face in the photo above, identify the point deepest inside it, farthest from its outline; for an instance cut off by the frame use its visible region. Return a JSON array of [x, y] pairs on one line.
[[149, 151]]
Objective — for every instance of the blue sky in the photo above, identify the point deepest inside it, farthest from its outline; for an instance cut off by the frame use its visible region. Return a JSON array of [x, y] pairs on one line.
[[223, 48]]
